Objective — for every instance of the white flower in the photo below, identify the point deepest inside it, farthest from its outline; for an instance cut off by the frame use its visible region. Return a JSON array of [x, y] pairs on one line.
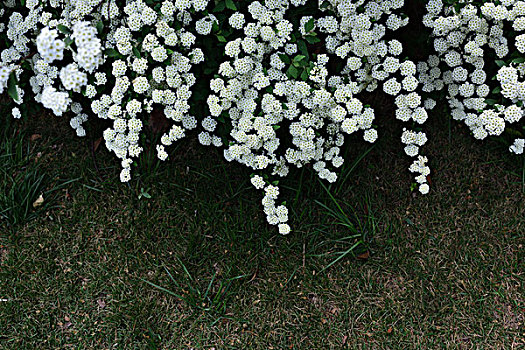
[[392, 87], [49, 46], [141, 85], [159, 54], [272, 191], [161, 153], [125, 175], [54, 100], [258, 182], [237, 20], [284, 229], [518, 146], [370, 135], [16, 113], [205, 138]]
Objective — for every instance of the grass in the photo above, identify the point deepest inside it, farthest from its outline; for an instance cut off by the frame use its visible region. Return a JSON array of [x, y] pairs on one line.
[[23, 192], [183, 258]]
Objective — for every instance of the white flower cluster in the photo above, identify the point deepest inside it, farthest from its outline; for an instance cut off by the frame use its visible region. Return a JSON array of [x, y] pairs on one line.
[[5, 71], [89, 47], [18, 32], [464, 37], [71, 31], [55, 100], [76, 122], [50, 82], [287, 92], [268, 108], [49, 46], [166, 83], [358, 35], [518, 146]]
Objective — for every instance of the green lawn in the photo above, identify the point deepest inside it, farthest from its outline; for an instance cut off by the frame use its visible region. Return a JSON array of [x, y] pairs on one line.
[[101, 266]]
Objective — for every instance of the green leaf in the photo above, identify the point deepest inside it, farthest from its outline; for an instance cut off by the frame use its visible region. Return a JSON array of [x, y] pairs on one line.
[[500, 63], [26, 65], [11, 87], [62, 28], [284, 58], [490, 102], [304, 75], [301, 46], [100, 27], [144, 194], [230, 5], [68, 41], [215, 27], [312, 39], [220, 7], [299, 58], [292, 72], [111, 53], [221, 38], [519, 60], [309, 26], [136, 52]]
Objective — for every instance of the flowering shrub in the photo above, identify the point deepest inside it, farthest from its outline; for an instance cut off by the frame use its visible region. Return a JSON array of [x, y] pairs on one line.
[[474, 42], [274, 83]]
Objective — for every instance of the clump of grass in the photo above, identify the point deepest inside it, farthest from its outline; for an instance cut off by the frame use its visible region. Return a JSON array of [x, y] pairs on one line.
[[210, 299], [14, 150], [24, 187], [361, 228], [355, 224], [19, 194], [20, 182]]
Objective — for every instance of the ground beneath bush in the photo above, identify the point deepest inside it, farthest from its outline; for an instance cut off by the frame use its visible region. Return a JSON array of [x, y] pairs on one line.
[[182, 257]]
